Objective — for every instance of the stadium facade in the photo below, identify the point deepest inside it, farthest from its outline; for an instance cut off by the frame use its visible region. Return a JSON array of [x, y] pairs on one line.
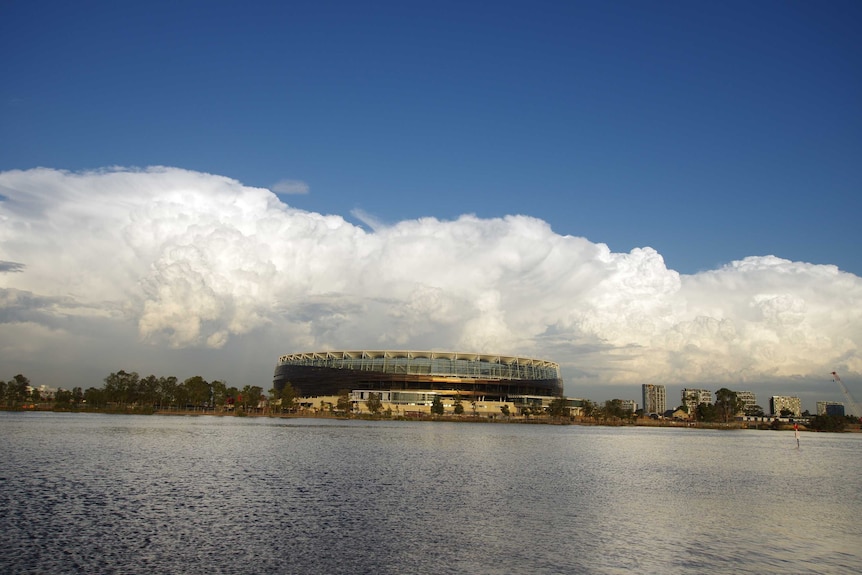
[[408, 376]]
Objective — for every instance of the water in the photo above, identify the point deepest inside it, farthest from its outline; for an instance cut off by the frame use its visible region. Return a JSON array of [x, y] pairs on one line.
[[167, 494]]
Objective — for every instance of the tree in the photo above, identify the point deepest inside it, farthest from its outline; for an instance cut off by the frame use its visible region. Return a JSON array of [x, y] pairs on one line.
[[95, 397], [181, 395], [707, 412], [373, 403], [504, 409], [168, 390], [828, 423], [219, 392], [437, 405], [232, 396], [198, 391], [614, 409], [457, 407], [251, 396], [16, 389], [754, 411], [285, 397], [557, 407], [122, 387], [727, 404], [343, 404], [149, 389], [63, 398]]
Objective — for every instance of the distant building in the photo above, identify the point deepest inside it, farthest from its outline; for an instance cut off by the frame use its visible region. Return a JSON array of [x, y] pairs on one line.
[[779, 403], [691, 398], [45, 392], [748, 399], [837, 410], [628, 405], [830, 408], [654, 398]]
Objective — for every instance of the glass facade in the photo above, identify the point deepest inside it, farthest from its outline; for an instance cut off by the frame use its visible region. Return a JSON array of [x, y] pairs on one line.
[[468, 373], [429, 363]]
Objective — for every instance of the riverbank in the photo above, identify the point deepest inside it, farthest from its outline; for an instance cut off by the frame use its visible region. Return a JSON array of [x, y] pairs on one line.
[[450, 418]]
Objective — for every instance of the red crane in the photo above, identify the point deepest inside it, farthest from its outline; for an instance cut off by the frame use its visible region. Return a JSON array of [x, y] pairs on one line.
[[852, 403]]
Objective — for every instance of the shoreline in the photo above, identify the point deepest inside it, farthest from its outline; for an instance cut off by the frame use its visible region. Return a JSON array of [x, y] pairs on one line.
[[531, 420]]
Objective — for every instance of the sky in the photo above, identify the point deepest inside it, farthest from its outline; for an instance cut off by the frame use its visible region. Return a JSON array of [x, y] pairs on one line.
[[643, 192]]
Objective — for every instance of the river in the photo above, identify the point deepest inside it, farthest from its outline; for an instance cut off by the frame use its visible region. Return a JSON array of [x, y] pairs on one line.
[[89, 493]]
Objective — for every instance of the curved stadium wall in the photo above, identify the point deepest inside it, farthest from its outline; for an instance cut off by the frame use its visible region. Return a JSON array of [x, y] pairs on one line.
[[493, 377]]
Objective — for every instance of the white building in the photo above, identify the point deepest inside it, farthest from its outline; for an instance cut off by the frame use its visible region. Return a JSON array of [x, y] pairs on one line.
[[779, 403], [748, 399], [654, 398], [691, 398], [45, 392], [629, 405]]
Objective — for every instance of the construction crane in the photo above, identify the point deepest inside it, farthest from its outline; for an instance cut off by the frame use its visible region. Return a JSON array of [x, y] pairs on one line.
[[852, 403]]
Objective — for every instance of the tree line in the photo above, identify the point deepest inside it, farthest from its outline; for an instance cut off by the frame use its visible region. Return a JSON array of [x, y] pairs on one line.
[[16, 391], [125, 390]]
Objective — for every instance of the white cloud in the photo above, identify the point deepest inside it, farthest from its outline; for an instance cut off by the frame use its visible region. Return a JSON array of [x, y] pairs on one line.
[[290, 187], [198, 261], [368, 219]]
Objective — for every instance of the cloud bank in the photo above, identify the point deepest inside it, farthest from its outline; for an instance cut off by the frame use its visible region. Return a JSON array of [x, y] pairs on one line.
[[195, 261]]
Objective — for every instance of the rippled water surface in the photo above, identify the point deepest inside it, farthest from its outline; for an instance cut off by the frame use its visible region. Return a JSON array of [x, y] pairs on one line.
[[168, 494]]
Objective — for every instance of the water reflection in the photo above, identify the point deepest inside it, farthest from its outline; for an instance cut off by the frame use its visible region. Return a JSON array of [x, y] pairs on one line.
[[85, 493]]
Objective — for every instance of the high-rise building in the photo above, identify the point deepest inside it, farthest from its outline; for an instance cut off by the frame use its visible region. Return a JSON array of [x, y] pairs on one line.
[[691, 398], [830, 408], [836, 410], [779, 403], [748, 399], [654, 399]]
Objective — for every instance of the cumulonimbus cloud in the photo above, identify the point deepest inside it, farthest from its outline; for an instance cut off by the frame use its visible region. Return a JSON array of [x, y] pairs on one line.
[[196, 259]]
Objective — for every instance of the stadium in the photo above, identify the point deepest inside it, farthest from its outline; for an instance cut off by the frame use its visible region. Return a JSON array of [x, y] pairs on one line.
[[415, 377]]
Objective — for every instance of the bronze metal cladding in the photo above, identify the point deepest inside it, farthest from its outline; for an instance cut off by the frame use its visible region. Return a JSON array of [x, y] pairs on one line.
[[494, 377]]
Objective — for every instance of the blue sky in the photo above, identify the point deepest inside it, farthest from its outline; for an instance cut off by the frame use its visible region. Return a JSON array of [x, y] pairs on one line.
[[710, 132]]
